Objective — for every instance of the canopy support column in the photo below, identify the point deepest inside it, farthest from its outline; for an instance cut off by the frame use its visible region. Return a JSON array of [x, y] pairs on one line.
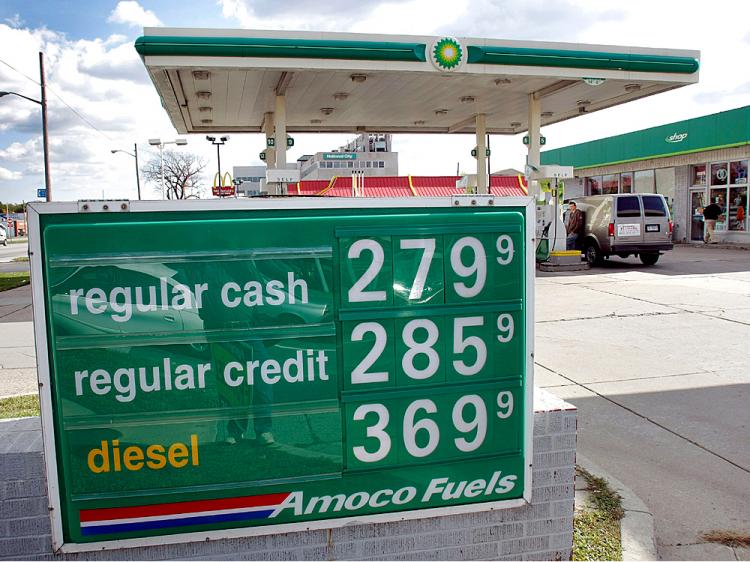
[[533, 158], [481, 154], [280, 122], [268, 130]]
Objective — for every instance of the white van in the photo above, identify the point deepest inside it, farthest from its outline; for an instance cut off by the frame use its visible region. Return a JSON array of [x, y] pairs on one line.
[[625, 224]]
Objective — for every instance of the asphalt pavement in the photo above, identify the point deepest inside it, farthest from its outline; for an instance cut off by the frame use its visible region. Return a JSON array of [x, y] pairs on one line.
[[13, 250], [655, 358]]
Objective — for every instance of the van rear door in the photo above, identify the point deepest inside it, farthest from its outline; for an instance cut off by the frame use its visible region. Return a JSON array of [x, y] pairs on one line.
[[655, 220], [628, 220]]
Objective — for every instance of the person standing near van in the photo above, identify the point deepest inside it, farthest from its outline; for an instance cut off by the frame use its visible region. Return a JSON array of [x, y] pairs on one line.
[[573, 226], [710, 214]]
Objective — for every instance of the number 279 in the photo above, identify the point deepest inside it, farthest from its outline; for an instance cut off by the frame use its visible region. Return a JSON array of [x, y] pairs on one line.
[[476, 268]]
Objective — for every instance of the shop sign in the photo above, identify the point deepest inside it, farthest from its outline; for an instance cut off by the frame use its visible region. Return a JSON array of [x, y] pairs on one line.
[[276, 366], [676, 137]]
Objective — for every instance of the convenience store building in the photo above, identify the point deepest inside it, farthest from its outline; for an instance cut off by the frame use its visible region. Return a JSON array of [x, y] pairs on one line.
[[690, 162]]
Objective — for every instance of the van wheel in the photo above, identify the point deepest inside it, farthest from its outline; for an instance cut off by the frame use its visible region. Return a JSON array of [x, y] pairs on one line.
[[592, 253], [649, 259]]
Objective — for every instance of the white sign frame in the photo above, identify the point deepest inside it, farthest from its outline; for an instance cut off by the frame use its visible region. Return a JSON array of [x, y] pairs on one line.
[[35, 210]]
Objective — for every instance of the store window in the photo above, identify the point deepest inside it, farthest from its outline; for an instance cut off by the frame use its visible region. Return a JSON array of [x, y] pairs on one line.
[[665, 184], [718, 195], [644, 181], [368, 164], [719, 174], [594, 185], [626, 183], [738, 172], [737, 208], [698, 175], [610, 184]]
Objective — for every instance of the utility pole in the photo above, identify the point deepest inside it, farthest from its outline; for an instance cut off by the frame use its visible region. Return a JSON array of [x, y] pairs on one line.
[[137, 173], [45, 139]]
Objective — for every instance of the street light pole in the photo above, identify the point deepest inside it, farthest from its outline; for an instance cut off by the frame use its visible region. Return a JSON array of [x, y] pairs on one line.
[[218, 157], [45, 140], [219, 143], [45, 136], [137, 174], [160, 144], [161, 158]]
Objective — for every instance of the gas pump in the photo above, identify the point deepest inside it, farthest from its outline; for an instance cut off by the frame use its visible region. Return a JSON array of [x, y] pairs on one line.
[[546, 186]]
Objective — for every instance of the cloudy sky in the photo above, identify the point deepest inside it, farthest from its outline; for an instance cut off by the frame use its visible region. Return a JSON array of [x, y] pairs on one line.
[[100, 97]]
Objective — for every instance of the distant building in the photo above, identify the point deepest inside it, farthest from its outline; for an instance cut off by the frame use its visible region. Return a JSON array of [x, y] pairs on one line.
[[369, 152], [248, 179]]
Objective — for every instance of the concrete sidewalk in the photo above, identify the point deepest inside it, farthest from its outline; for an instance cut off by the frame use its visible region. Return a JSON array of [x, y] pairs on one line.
[[17, 359], [17, 354], [655, 359]]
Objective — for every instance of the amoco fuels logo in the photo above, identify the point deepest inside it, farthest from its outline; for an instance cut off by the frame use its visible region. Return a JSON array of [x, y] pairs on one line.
[[676, 137]]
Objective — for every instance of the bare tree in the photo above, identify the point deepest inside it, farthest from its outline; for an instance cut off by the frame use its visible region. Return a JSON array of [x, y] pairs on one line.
[[181, 173]]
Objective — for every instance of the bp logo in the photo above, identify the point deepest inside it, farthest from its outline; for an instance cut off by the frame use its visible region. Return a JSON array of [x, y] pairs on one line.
[[447, 54], [676, 137]]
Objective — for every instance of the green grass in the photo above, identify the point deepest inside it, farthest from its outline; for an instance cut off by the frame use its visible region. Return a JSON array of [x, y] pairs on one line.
[[19, 406], [596, 529], [21, 258], [18, 240], [13, 279]]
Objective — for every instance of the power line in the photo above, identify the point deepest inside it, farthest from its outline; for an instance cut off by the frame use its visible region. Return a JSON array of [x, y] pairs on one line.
[[19, 72], [58, 96]]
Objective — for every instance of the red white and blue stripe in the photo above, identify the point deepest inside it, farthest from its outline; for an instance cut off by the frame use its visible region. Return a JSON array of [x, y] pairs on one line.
[[180, 514]]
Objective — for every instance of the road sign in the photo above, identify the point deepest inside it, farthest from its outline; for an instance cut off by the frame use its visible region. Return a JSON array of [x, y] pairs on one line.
[[375, 363], [542, 140], [41, 193]]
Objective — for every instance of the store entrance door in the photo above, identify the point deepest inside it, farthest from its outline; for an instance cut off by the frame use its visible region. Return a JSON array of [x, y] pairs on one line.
[[697, 201]]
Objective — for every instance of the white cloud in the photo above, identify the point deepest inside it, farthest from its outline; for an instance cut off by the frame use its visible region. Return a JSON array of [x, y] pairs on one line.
[[101, 79], [131, 13], [14, 21], [8, 175]]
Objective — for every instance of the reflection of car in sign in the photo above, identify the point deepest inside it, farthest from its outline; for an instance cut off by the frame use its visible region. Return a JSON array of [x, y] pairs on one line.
[[100, 304]]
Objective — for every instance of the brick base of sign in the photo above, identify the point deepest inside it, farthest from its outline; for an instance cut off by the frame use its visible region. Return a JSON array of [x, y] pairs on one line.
[[540, 531]]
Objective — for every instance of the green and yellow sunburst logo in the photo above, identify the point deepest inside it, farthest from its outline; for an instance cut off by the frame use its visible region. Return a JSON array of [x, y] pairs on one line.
[[447, 54]]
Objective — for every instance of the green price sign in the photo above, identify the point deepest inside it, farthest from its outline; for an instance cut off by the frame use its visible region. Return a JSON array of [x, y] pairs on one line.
[[281, 365]]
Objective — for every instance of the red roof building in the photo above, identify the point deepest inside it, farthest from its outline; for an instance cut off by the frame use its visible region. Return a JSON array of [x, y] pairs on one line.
[[405, 186]]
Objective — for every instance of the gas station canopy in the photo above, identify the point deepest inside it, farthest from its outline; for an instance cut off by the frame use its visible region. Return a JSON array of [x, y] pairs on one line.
[[229, 80]]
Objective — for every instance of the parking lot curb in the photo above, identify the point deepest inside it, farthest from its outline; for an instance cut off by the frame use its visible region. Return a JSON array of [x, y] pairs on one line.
[[637, 525]]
